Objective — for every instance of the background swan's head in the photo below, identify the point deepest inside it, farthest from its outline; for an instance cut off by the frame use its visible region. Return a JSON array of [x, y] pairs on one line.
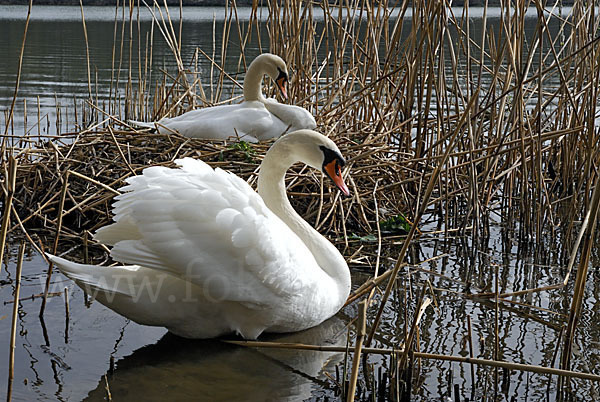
[[274, 67], [315, 150]]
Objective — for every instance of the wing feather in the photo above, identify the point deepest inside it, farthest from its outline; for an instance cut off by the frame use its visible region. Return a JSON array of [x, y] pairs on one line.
[[208, 227], [250, 120]]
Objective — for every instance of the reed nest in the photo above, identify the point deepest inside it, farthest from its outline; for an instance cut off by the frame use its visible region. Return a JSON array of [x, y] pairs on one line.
[[96, 163]]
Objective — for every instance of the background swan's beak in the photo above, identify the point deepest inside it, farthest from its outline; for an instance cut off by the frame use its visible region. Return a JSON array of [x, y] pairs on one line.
[[336, 176], [282, 85]]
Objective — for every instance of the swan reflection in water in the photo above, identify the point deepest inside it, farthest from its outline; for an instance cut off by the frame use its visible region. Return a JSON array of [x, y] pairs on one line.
[[180, 369]]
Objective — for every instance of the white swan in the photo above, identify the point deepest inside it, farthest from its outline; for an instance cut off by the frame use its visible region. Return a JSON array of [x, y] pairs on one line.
[[255, 119], [214, 257]]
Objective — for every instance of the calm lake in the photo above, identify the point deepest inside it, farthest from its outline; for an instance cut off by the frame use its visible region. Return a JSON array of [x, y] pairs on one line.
[[59, 359]]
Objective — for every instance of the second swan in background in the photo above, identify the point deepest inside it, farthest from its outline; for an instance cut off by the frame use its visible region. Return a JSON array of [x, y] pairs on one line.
[[255, 119]]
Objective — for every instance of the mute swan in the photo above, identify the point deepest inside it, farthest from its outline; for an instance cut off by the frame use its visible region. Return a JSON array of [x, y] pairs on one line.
[[255, 119], [214, 257]]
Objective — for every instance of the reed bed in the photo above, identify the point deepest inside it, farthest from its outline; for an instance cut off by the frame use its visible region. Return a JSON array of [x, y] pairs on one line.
[[441, 126], [96, 164]]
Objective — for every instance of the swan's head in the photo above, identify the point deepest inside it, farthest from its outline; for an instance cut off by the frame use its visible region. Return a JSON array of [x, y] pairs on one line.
[[274, 67], [333, 162], [315, 150]]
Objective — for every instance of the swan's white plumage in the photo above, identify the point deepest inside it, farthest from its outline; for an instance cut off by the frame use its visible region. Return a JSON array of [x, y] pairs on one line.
[[206, 256], [250, 121], [210, 218], [255, 119]]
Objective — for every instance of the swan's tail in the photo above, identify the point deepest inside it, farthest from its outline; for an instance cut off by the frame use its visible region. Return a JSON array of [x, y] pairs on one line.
[[142, 124], [132, 291], [96, 279]]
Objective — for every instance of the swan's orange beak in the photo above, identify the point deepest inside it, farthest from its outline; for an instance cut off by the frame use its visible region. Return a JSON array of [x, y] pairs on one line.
[[282, 85], [334, 171]]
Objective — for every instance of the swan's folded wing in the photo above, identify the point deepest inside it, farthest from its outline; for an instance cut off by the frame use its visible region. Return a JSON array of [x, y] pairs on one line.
[[293, 117], [247, 121], [208, 227]]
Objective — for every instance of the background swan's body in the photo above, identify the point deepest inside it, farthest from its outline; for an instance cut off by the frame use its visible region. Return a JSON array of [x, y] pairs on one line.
[[211, 256], [255, 119], [251, 121]]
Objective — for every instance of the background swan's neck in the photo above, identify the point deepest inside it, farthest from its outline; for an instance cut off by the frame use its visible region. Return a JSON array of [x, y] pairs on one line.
[[271, 187], [253, 81]]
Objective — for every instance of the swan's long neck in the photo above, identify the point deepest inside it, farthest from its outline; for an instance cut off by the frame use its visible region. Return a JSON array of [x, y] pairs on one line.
[[253, 81], [271, 187]]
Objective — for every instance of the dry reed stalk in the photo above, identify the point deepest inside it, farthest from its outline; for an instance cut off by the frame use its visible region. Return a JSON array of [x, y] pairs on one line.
[[56, 238], [35, 296], [87, 50], [556, 350], [13, 331], [410, 338], [27, 236], [496, 352], [581, 277], [471, 355], [367, 287], [107, 389], [9, 118], [421, 355], [9, 190], [111, 106], [112, 134], [361, 331], [86, 254], [129, 95], [301, 346]]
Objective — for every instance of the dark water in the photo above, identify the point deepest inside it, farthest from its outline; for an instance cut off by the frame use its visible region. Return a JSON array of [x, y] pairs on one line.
[[59, 360], [68, 360], [55, 75]]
